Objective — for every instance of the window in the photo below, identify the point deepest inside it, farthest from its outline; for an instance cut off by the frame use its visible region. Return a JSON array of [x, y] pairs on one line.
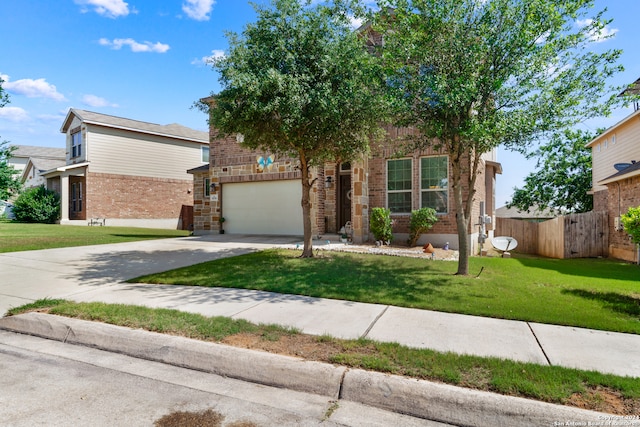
[[76, 197], [207, 187], [399, 178], [434, 183], [205, 153], [76, 144]]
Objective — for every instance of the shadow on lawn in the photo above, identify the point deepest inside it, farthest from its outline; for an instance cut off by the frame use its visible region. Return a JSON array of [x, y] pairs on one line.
[[617, 302]]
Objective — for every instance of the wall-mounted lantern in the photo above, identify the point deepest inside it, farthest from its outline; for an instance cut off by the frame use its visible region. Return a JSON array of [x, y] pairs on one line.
[[212, 187], [328, 181]]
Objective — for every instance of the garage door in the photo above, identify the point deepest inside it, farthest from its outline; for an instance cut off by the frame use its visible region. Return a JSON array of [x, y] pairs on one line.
[[271, 207]]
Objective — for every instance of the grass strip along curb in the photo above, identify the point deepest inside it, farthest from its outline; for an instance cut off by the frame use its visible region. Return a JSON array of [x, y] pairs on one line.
[[551, 384]]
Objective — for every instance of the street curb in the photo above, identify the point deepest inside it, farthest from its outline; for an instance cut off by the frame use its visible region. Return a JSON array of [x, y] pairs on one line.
[[244, 364], [418, 398]]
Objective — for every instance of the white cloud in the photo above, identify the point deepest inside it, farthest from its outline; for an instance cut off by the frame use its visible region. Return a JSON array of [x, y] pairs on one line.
[[14, 114], [96, 101], [597, 36], [206, 60], [30, 88], [134, 45], [198, 9], [108, 8]]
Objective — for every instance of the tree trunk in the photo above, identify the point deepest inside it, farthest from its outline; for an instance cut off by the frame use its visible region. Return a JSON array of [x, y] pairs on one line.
[[307, 250], [462, 220]]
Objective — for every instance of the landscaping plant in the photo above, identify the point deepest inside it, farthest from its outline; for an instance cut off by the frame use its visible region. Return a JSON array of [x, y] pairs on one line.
[[421, 221], [381, 224], [631, 223], [37, 205]]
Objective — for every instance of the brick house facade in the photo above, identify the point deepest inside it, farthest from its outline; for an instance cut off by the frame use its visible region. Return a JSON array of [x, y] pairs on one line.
[[616, 178], [343, 192]]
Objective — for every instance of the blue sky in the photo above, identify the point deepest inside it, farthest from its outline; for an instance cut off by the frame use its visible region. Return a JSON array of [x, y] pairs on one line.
[[144, 60]]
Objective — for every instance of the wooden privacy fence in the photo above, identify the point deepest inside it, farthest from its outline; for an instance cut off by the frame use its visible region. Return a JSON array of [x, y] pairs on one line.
[[583, 235]]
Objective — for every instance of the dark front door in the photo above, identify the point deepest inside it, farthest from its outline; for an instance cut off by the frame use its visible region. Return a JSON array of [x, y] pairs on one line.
[[344, 210]]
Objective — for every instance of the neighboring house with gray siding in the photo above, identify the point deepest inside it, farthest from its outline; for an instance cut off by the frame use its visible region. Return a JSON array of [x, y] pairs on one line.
[[31, 161], [128, 172]]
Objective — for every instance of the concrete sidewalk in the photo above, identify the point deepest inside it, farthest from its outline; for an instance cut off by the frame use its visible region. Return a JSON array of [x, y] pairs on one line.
[[96, 273]]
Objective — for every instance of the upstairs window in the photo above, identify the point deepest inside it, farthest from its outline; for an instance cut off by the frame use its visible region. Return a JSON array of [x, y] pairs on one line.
[[76, 144], [205, 153], [434, 183], [399, 178]]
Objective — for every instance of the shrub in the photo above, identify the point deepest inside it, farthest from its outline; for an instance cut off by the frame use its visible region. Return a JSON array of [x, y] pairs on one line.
[[421, 221], [37, 205], [631, 223], [381, 224]]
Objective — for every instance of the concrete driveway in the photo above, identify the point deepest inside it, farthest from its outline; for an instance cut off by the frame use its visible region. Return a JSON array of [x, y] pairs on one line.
[[79, 271]]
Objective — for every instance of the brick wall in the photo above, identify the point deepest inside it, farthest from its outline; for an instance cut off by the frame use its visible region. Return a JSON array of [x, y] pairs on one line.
[[134, 197], [600, 201], [621, 196]]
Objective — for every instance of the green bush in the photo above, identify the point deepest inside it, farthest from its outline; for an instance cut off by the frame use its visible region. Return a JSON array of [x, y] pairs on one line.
[[381, 224], [421, 221], [631, 223], [37, 205]]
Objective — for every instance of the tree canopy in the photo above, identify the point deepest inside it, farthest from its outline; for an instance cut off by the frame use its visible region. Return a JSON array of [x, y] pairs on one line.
[[473, 74], [299, 82], [9, 184], [562, 177]]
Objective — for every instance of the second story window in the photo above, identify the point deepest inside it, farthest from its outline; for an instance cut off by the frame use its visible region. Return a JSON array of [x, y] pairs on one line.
[[205, 154], [76, 144]]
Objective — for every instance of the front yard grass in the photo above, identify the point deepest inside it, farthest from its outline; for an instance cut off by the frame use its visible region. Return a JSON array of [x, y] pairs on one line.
[[15, 236], [591, 390], [589, 293]]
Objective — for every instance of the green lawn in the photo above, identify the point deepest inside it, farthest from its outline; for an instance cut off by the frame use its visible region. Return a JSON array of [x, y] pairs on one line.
[[590, 293], [26, 237]]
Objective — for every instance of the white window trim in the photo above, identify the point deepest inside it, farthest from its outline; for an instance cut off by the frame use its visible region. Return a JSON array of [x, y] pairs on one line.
[[386, 186], [422, 190]]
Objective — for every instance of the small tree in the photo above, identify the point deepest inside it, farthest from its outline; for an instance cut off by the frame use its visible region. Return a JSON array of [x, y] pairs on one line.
[[37, 205], [470, 75], [631, 223], [299, 82], [9, 183], [381, 224], [421, 221]]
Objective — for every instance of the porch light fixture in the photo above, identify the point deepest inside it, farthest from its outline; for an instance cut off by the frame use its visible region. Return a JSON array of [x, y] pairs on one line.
[[328, 181], [212, 187]]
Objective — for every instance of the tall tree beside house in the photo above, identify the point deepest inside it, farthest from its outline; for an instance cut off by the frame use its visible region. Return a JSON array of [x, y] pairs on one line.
[[562, 178], [9, 184], [473, 74], [299, 82]]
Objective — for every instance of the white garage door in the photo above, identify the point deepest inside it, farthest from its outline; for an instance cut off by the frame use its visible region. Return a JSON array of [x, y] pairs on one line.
[[270, 207]]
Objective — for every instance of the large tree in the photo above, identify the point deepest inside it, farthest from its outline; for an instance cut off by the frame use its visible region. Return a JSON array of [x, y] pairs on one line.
[[473, 74], [9, 184], [299, 82], [562, 178]]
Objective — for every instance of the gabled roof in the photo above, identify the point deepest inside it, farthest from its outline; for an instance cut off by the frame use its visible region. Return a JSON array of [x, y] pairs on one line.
[[173, 130], [42, 165], [631, 171], [31, 151], [203, 168]]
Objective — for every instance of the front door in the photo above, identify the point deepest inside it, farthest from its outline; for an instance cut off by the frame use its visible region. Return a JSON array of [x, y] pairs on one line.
[[344, 209]]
